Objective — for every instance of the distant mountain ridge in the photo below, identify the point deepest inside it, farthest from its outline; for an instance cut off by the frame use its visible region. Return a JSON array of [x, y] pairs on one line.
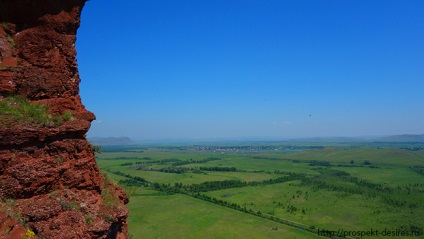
[[402, 138], [111, 141]]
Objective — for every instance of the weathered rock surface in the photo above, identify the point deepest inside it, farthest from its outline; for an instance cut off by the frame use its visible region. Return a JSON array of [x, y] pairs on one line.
[[49, 180]]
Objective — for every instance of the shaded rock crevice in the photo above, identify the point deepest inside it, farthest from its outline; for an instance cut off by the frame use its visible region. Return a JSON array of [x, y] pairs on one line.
[[50, 183]]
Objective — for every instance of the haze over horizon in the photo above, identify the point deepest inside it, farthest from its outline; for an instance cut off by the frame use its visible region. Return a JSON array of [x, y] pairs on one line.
[[242, 69]]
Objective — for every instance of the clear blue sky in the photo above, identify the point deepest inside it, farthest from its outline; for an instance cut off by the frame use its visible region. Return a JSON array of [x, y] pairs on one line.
[[166, 69]]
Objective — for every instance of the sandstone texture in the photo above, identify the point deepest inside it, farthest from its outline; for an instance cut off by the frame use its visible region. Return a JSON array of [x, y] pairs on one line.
[[50, 184]]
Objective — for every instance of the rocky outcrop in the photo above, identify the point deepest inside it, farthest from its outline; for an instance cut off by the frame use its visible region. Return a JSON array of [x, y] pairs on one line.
[[50, 184]]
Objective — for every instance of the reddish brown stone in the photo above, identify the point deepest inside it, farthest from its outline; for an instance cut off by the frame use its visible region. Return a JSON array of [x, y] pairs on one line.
[[10, 227], [48, 172]]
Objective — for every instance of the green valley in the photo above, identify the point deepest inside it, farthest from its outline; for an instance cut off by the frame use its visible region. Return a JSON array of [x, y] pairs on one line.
[[267, 191]]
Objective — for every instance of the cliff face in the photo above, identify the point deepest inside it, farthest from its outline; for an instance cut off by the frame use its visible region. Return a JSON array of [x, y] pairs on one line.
[[49, 180]]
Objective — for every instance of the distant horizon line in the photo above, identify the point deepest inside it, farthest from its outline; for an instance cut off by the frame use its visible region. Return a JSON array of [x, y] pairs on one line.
[[255, 138]]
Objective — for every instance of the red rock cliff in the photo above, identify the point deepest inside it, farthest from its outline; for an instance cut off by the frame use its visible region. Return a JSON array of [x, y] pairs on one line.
[[50, 183]]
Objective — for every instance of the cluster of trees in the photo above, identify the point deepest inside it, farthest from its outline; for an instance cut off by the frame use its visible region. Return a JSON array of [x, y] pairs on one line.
[[394, 202], [191, 161], [180, 170], [353, 165], [346, 177], [319, 163], [332, 172], [320, 184], [272, 158], [360, 187], [418, 169], [412, 188], [214, 185], [170, 170], [161, 161], [293, 209], [374, 186], [130, 182], [127, 164], [133, 157], [143, 181], [224, 169], [219, 185], [328, 164], [194, 188], [150, 162]]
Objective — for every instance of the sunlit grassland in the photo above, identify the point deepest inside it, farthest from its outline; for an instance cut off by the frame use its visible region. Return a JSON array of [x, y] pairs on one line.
[[251, 164], [358, 155], [389, 175], [185, 178], [321, 208], [343, 194], [180, 216]]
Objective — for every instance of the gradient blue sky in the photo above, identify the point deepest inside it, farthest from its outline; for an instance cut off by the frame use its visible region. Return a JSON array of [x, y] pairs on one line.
[[166, 69]]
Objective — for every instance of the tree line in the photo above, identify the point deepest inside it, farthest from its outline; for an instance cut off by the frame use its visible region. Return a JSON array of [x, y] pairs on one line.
[[191, 161]]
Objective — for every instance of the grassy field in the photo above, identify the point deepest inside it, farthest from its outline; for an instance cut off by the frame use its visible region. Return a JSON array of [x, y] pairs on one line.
[[243, 193], [179, 216]]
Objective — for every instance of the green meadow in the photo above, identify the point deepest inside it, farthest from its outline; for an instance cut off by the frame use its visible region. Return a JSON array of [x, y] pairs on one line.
[[243, 192], [179, 216]]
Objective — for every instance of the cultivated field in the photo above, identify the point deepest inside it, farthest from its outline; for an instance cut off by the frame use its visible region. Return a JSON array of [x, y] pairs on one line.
[[259, 191]]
